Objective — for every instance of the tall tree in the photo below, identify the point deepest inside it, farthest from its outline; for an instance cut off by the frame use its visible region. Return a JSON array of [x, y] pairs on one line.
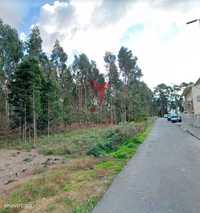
[[130, 72], [82, 72], [59, 59], [162, 94], [64, 80], [34, 43], [115, 86], [10, 54], [25, 96], [128, 66]]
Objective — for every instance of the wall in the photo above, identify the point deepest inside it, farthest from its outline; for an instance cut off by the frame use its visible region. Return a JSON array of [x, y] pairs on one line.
[[196, 99], [188, 103]]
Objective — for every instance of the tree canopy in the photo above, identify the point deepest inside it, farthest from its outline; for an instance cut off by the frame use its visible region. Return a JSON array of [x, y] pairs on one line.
[[43, 92]]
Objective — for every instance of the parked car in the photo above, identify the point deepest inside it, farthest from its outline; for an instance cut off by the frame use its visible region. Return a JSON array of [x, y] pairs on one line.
[[165, 116], [169, 117], [175, 118]]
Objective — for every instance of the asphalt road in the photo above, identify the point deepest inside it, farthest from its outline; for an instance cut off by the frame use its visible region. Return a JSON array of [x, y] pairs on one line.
[[164, 176]]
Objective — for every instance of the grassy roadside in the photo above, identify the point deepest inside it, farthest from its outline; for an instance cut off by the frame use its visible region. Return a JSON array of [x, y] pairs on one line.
[[95, 157]]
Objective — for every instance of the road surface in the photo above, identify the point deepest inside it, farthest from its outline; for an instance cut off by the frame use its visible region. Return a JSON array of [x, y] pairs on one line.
[[164, 176]]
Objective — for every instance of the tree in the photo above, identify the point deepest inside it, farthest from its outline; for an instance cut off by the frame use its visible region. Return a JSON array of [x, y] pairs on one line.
[[167, 98], [34, 43], [128, 66], [82, 71], [59, 59], [50, 105], [140, 101], [10, 54], [130, 72], [64, 80], [162, 95], [25, 96], [46, 92], [115, 86]]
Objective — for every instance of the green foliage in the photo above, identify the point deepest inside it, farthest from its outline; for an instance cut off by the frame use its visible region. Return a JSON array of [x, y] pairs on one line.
[[6, 210], [113, 139], [67, 188], [167, 98], [41, 191], [34, 44], [10, 49], [47, 94], [86, 207], [25, 91], [82, 174], [129, 147], [128, 65], [111, 165]]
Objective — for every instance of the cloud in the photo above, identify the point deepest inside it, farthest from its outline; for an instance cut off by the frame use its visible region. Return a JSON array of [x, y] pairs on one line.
[[13, 11], [168, 49], [72, 22], [155, 31], [110, 11], [57, 21], [175, 4]]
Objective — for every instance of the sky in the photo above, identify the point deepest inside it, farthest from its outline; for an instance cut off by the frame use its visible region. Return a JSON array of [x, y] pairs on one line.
[[168, 50]]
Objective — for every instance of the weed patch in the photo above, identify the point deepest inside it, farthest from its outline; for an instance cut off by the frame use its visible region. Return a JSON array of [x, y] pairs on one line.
[[86, 207], [95, 157]]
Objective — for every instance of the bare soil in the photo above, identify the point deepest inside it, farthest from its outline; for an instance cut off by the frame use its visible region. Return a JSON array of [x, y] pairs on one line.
[[16, 165]]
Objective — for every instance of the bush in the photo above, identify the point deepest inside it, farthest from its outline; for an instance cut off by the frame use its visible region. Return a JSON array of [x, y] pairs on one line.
[[96, 151], [113, 138]]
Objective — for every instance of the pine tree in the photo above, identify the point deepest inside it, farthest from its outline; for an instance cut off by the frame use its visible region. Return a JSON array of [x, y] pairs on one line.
[[25, 96]]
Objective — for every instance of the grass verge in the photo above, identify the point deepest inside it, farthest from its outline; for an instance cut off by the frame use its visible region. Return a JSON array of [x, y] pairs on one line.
[[77, 186]]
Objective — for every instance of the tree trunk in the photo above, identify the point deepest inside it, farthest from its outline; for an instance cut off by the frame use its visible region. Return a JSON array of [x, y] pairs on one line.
[[34, 121], [48, 123], [25, 125], [7, 109]]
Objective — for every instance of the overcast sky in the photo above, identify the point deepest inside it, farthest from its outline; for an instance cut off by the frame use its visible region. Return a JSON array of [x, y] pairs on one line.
[[155, 30]]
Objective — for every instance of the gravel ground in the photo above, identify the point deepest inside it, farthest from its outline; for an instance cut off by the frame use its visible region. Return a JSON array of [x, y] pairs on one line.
[[164, 176]]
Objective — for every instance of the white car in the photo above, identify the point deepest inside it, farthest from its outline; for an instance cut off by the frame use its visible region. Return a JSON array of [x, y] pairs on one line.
[[175, 118]]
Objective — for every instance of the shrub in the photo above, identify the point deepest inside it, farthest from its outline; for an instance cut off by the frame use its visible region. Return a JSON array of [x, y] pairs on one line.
[[113, 138], [96, 151]]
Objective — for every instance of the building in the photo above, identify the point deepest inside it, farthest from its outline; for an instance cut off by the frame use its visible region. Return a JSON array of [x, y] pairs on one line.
[[196, 98], [191, 96], [188, 100]]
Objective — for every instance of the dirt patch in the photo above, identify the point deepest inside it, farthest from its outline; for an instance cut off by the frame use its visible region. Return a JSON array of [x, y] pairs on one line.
[[16, 165]]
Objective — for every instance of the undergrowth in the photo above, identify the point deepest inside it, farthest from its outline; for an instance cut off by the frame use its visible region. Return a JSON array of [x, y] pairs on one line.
[[77, 186]]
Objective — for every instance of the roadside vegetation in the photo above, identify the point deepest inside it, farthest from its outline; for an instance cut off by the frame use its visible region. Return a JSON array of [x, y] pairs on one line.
[[43, 97], [94, 156]]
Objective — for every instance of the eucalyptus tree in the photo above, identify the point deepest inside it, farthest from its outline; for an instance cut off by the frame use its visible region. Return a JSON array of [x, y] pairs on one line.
[[114, 94], [130, 72], [82, 70], [64, 80], [10, 54]]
